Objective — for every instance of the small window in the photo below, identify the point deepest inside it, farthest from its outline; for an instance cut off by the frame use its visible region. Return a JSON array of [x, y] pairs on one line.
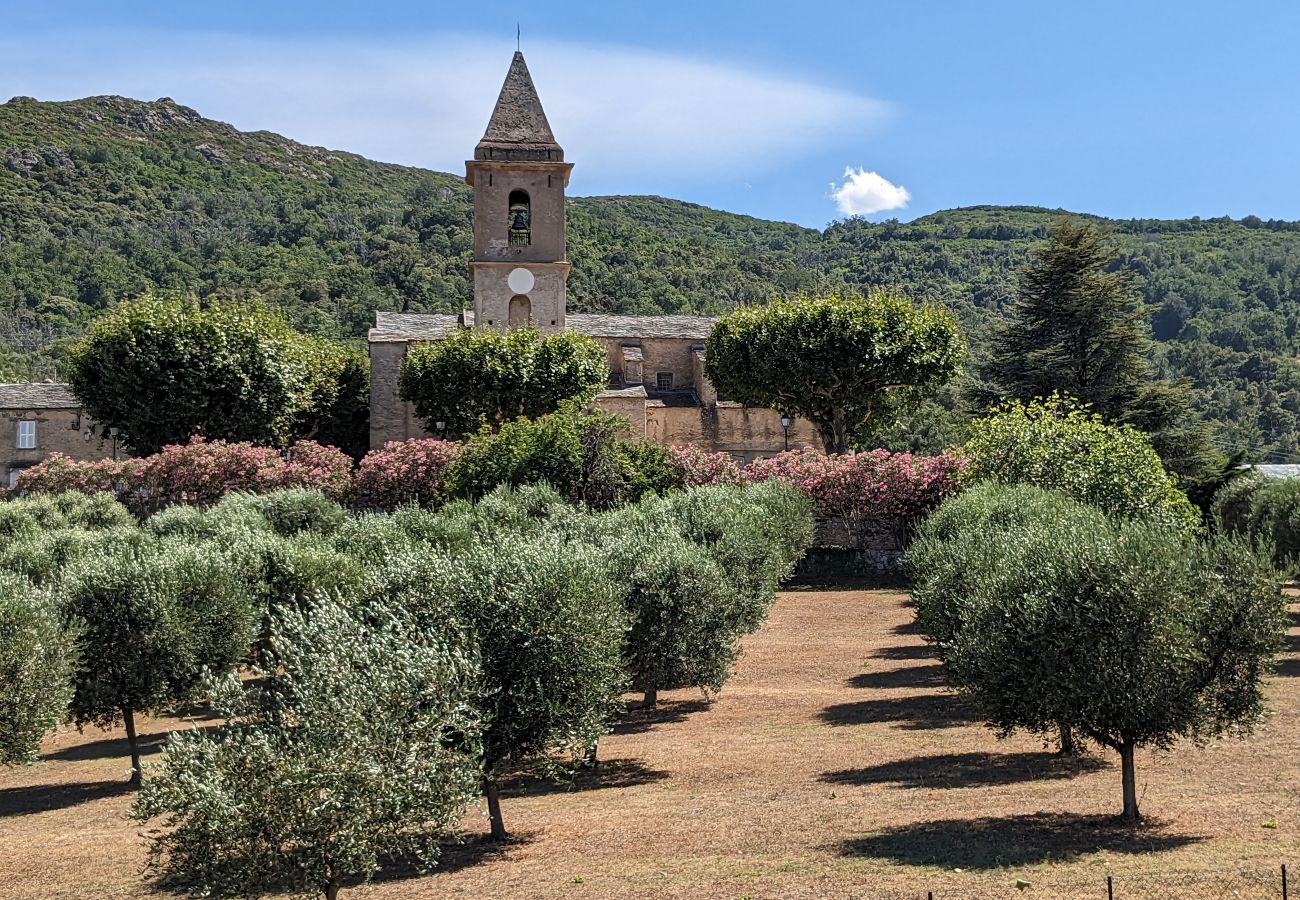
[[27, 434], [664, 381], [13, 478]]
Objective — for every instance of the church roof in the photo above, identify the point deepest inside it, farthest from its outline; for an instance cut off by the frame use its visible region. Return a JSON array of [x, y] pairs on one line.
[[398, 327], [518, 129]]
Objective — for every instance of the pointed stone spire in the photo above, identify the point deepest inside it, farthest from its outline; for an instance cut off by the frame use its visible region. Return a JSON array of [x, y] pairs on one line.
[[518, 129]]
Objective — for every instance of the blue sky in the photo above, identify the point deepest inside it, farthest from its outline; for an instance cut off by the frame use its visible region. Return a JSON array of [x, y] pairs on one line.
[[1140, 108]]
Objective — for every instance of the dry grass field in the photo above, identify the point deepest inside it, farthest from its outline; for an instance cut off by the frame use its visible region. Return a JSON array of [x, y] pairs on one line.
[[834, 764]]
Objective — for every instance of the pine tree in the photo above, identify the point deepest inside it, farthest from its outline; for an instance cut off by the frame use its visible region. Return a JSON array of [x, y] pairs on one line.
[[1078, 328]]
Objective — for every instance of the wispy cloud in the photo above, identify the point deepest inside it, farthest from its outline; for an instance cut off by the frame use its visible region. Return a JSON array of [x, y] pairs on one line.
[[862, 193], [425, 100]]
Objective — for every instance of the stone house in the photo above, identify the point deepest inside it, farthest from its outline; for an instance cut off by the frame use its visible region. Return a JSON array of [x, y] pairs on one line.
[[39, 419], [519, 271]]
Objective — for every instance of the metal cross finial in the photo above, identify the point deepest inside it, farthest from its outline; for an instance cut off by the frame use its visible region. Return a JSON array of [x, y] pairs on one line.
[[518, 42]]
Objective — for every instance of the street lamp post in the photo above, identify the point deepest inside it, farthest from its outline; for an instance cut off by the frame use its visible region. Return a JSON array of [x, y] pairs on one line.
[[442, 428], [113, 433], [785, 427]]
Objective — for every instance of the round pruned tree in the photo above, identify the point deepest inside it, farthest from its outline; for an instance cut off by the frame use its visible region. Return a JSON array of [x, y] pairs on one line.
[[1059, 445], [164, 370], [472, 379], [356, 745], [1132, 633], [37, 659], [153, 619], [847, 364]]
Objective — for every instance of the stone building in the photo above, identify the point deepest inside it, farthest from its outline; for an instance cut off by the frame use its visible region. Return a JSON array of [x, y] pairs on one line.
[[39, 419], [519, 272]]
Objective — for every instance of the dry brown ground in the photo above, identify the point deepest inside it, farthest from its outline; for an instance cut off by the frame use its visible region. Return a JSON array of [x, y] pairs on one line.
[[833, 765]]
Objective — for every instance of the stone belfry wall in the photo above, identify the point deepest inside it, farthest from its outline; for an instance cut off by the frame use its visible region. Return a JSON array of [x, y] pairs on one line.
[[518, 173]]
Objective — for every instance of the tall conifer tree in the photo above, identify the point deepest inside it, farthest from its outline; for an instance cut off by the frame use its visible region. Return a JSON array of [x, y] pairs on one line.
[[1079, 328]]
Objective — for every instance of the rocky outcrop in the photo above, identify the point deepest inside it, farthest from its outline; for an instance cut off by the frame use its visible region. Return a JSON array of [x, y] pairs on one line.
[[27, 160]]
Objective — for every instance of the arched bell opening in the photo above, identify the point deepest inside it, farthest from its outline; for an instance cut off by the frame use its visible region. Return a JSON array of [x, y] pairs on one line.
[[520, 219]]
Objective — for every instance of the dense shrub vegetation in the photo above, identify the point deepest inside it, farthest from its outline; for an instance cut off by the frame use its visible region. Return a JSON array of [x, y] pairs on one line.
[[1267, 512]]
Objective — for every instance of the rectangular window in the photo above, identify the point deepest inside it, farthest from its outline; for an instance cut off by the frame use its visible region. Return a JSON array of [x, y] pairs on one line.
[[13, 478], [664, 381], [27, 434]]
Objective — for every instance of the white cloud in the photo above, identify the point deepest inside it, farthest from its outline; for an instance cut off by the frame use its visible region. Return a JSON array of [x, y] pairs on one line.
[[863, 193], [618, 111]]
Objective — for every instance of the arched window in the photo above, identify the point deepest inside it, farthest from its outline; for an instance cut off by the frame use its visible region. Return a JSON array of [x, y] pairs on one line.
[[520, 219]]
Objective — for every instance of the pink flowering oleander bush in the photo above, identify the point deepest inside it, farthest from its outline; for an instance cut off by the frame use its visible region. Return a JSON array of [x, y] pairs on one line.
[[58, 473], [694, 467], [876, 489], [200, 472], [413, 471]]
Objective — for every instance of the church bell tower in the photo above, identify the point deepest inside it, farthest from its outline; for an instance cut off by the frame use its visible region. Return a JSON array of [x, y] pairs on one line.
[[519, 175]]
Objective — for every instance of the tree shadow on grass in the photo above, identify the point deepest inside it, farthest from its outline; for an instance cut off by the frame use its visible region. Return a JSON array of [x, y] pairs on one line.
[[909, 651], [994, 842], [908, 628], [958, 770], [917, 713], [113, 747], [1288, 668], [666, 712], [39, 798], [613, 773], [906, 677]]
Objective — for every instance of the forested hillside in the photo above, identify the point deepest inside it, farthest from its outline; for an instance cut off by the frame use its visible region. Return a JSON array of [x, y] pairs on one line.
[[104, 198]]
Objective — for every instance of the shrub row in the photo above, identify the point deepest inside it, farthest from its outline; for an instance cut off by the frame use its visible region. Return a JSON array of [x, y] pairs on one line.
[[400, 663], [1267, 512]]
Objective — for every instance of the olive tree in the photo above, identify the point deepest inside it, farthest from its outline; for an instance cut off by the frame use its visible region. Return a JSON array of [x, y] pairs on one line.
[[37, 658], [848, 364], [548, 626], [355, 745], [471, 379], [1131, 633], [152, 620]]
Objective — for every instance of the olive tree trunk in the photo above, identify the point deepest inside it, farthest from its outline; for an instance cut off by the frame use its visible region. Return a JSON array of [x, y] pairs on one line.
[[651, 698], [1069, 746], [128, 716], [493, 794], [1131, 813]]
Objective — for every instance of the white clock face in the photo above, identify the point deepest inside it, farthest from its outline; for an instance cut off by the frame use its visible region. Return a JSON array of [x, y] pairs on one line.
[[520, 281]]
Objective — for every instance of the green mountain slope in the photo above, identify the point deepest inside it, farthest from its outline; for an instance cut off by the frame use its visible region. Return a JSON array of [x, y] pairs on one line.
[[103, 198]]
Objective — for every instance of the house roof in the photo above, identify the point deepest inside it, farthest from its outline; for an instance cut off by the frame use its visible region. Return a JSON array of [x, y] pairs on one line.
[[518, 128], [40, 395], [391, 327]]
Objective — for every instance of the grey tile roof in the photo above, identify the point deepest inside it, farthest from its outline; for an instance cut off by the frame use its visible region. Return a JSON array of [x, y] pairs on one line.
[[1278, 471], [599, 325], [396, 327], [41, 395]]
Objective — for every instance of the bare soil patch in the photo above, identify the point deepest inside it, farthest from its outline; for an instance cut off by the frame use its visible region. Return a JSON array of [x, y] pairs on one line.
[[835, 764]]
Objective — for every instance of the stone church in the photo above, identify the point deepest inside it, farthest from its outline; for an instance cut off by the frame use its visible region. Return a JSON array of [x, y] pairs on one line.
[[519, 272]]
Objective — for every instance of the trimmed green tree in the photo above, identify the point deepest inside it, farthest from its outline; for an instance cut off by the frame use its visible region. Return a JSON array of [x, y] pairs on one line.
[[1055, 444], [37, 659], [1131, 633], [152, 620], [472, 379], [847, 364], [163, 370], [356, 745]]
